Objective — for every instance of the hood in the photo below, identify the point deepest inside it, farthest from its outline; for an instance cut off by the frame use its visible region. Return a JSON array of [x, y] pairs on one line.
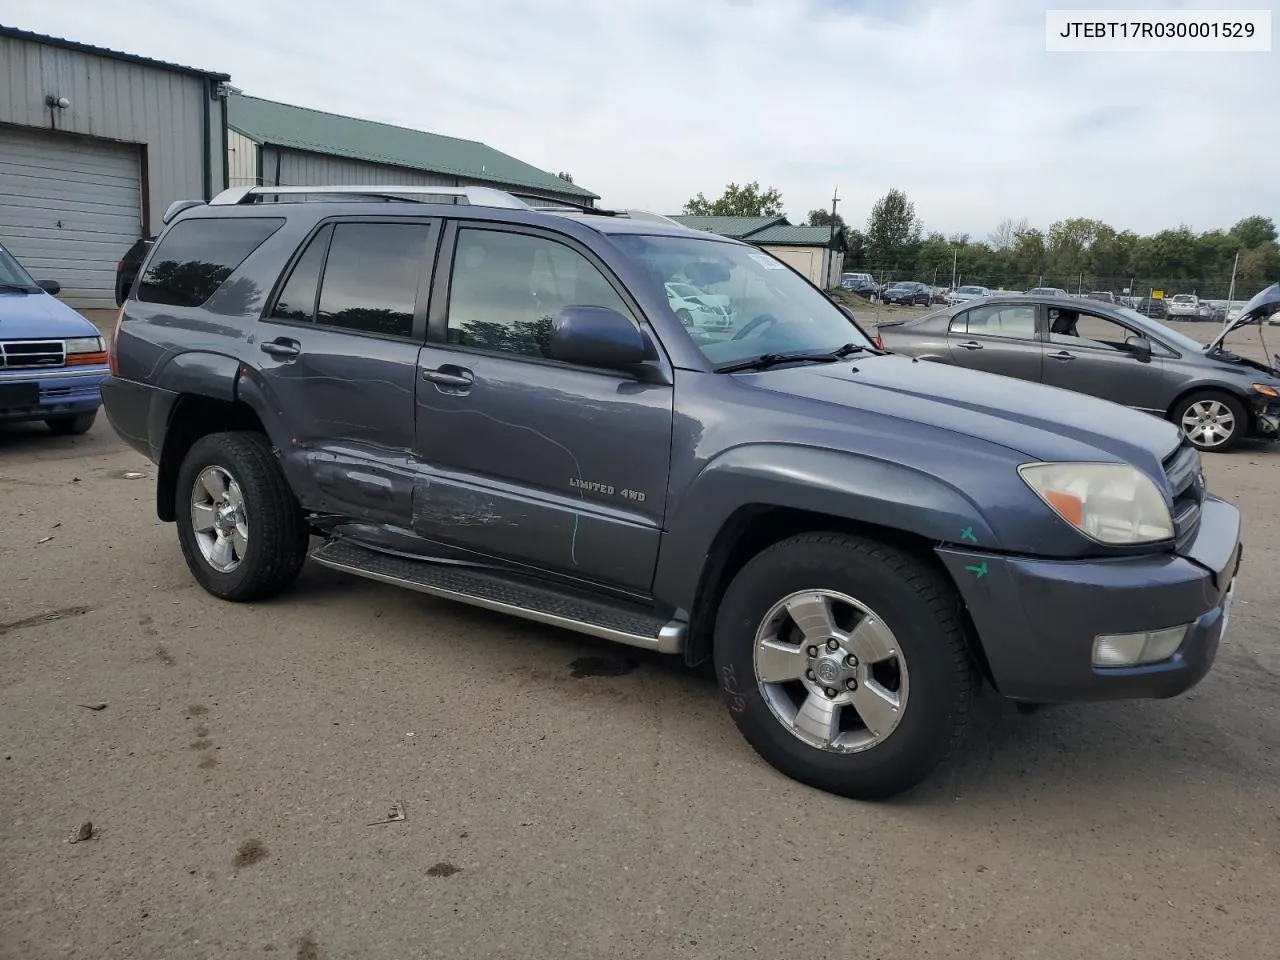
[[1256, 310], [35, 316], [1043, 423]]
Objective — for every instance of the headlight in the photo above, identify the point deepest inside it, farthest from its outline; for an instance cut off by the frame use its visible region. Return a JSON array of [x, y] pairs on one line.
[[1266, 390], [1107, 502]]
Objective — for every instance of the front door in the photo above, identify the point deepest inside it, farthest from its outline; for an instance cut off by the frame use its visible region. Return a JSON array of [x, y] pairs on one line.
[[339, 352], [525, 458], [998, 338], [1087, 353]]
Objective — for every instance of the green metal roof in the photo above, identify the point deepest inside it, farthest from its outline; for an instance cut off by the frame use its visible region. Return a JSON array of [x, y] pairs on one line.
[[787, 235], [736, 227], [299, 128]]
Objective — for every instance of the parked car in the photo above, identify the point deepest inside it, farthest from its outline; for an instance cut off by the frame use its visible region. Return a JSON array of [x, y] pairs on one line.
[[967, 293], [1047, 292], [1104, 296], [1152, 307], [1115, 353], [127, 267], [697, 308], [867, 289], [907, 293], [52, 360], [1187, 306], [497, 405]]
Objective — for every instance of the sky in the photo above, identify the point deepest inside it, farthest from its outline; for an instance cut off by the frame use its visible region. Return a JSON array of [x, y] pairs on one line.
[[648, 102]]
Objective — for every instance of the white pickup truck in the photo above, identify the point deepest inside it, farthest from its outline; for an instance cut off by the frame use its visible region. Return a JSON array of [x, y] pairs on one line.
[[1187, 306]]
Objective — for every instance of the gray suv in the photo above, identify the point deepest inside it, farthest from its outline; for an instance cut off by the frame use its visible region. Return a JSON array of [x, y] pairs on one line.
[[456, 393]]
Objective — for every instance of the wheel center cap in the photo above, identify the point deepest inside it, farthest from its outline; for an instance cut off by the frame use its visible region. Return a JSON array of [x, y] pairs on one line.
[[828, 670]]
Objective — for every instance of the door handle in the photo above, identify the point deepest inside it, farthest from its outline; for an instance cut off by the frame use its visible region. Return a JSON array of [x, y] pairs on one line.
[[1062, 355], [461, 379], [282, 347], [969, 345]]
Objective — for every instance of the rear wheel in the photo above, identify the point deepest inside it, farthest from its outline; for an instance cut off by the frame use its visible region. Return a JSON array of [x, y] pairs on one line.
[[70, 426], [241, 529], [844, 663], [1212, 421]]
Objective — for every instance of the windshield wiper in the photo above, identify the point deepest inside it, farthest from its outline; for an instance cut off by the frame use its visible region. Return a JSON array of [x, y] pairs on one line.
[[767, 360], [15, 288]]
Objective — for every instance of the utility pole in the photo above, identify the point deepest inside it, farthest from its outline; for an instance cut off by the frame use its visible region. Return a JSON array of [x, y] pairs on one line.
[[831, 237], [954, 254], [1231, 290]]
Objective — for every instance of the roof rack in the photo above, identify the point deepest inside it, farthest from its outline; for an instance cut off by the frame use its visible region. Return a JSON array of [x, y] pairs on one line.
[[475, 196]]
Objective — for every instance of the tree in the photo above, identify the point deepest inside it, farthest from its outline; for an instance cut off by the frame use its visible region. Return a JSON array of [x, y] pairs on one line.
[[565, 176], [822, 218], [738, 201], [1254, 232], [893, 231], [1005, 235]]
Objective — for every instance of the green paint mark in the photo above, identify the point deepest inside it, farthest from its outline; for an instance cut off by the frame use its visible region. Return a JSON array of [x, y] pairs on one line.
[[967, 534], [978, 572]]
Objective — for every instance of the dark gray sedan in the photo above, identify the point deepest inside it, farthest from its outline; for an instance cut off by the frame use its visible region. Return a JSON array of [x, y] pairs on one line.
[[1111, 352]]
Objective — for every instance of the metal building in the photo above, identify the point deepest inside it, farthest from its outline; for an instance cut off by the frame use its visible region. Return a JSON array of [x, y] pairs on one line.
[[275, 144], [94, 144]]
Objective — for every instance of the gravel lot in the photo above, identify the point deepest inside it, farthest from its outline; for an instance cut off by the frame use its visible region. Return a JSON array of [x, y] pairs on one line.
[[556, 805]]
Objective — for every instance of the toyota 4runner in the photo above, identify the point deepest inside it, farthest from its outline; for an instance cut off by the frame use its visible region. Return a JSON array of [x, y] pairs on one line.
[[457, 393]]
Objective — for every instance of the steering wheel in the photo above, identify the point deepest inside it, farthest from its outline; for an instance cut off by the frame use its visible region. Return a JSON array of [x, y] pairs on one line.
[[763, 320]]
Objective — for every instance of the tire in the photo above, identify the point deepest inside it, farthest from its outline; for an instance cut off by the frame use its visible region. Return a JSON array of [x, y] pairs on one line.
[[267, 537], [1216, 410], [72, 426], [934, 692]]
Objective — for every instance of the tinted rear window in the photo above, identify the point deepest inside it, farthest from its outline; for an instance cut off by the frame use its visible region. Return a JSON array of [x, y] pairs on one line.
[[196, 256]]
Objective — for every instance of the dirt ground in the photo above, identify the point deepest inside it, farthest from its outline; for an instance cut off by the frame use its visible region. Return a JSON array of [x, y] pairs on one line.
[[561, 797]]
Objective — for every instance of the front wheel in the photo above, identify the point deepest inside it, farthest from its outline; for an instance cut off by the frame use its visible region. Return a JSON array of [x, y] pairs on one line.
[[72, 426], [844, 663], [1214, 422], [241, 529]]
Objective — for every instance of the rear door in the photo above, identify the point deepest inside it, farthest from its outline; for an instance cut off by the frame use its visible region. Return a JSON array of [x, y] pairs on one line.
[[1086, 352], [339, 352], [526, 458], [1001, 338]]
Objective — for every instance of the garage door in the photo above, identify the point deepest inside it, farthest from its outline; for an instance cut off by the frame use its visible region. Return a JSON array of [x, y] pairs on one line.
[[69, 209]]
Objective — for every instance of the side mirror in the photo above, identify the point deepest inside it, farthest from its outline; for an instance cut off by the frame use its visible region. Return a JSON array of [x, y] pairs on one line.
[[1140, 347], [596, 337], [50, 286]]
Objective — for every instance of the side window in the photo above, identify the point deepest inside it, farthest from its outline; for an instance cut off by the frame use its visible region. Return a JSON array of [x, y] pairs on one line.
[[197, 255], [370, 280], [960, 322], [297, 301], [1070, 329], [506, 287], [1012, 321]]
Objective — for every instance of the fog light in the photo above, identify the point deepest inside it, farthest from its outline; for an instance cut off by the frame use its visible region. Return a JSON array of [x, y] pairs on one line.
[[1132, 649]]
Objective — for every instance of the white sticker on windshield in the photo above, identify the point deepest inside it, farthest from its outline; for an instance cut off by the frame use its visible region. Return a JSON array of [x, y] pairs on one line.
[[766, 261]]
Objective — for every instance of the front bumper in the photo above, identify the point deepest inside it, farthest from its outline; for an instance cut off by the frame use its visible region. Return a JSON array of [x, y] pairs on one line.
[[61, 392], [1036, 619], [1266, 417]]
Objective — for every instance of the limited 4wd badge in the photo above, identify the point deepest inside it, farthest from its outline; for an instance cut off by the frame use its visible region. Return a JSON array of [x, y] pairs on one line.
[[590, 486]]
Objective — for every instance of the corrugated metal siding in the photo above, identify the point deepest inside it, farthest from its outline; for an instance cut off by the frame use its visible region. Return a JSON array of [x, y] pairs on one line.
[[242, 161], [116, 100], [69, 209], [808, 260], [299, 168]]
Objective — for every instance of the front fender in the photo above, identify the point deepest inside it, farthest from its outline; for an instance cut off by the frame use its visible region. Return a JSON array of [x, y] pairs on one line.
[[849, 486]]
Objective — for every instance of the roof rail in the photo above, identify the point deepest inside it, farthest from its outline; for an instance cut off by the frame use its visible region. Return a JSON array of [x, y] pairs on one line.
[[652, 217], [475, 196]]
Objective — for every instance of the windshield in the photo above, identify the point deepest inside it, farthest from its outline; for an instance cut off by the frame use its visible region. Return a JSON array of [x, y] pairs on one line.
[[769, 308], [1179, 341], [12, 274]]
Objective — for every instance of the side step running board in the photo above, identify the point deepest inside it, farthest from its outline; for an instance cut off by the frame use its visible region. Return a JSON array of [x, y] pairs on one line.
[[482, 588]]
